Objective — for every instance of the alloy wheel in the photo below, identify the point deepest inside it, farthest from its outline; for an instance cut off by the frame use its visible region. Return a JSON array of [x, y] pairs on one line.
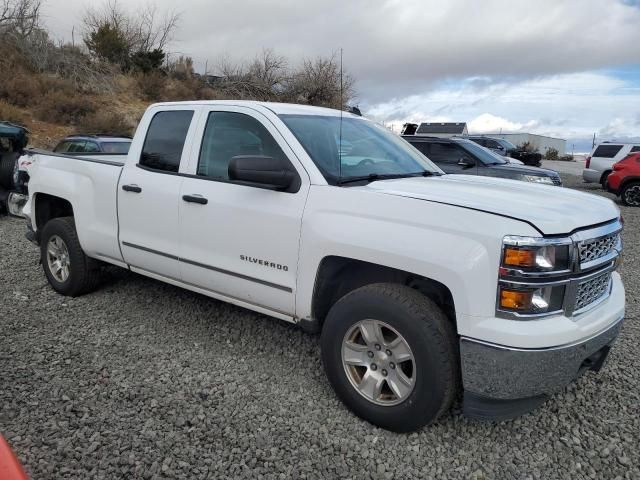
[[632, 196], [378, 362], [58, 259]]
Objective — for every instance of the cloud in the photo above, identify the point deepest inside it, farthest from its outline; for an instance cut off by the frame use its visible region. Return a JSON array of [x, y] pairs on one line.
[[396, 48], [487, 123], [561, 106]]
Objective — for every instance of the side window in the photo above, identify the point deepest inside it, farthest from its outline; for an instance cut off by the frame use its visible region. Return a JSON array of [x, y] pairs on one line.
[[62, 147], [635, 149], [165, 139], [445, 153], [607, 151], [229, 134], [481, 141], [91, 147], [492, 144], [423, 147], [76, 146]]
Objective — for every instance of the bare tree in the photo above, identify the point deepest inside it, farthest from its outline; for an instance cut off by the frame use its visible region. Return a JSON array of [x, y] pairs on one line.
[[320, 82], [111, 32], [262, 79], [20, 17]]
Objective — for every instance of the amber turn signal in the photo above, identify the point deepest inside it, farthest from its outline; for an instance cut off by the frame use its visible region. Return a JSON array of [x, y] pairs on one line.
[[517, 257], [515, 300]]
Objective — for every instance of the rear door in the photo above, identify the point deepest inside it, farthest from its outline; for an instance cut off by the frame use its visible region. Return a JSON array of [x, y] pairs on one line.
[[149, 192], [239, 240]]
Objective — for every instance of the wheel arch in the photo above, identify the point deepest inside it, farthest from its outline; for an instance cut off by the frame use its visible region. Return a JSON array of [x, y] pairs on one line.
[[336, 276], [48, 207], [626, 181]]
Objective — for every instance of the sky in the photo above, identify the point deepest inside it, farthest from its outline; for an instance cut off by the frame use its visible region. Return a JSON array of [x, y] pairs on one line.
[[567, 68]]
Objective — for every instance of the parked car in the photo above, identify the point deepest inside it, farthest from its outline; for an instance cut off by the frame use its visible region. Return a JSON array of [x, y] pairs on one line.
[[625, 180], [95, 143], [420, 281], [600, 163], [13, 140], [506, 148], [459, 155]]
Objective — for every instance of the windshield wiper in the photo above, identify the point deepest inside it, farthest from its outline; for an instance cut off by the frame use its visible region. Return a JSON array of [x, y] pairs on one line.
[[373, 177]]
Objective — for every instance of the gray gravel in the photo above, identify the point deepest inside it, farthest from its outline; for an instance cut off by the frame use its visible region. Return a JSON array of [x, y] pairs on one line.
[[144, 380]]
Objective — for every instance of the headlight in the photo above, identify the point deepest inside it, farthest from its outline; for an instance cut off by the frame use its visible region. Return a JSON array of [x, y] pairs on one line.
[[529, 254], [531, 301], [528, 276], [537, 179]]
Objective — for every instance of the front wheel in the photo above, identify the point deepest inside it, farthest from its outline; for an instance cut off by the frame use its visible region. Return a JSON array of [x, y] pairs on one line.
[[390, 355], [630, 194], [67, 268]]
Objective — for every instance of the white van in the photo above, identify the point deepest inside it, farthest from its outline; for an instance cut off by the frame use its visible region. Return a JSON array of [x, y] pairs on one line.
[[600, 162]]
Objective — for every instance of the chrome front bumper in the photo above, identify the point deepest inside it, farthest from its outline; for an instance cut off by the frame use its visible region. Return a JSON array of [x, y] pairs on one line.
[[502, 382]]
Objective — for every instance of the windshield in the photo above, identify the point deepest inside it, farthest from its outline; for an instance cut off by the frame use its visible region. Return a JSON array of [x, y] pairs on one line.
[[485, 155], [116, 147], [367, 148]]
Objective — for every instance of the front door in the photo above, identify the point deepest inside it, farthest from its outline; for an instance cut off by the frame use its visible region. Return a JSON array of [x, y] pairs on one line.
[[237, 240], [148, 196], [451, 158]]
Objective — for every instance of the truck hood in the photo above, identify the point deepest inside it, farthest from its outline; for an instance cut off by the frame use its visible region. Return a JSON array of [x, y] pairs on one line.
[[552, 210]]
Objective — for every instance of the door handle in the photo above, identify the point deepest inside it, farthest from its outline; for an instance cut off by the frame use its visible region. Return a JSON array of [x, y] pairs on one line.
[[131, 188], [195, 199]]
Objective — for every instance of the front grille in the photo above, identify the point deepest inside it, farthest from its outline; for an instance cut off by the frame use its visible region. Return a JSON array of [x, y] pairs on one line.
[[557, 181], [592, 290], [597, 248]]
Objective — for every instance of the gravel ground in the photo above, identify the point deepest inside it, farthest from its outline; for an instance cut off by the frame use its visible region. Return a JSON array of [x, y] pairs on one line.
[[144, 380]]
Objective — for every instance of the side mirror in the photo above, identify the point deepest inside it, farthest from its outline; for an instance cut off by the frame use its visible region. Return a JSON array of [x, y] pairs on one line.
[[262, 171], [466, 163]]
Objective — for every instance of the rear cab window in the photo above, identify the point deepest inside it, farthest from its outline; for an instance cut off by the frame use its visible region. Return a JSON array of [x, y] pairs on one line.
[[165, 139]]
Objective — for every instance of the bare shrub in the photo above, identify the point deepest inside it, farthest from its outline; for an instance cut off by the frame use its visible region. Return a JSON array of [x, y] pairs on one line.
[[151, 86], [11, 113], [551, 154], [57, 107], [103, 121], [20, 88]]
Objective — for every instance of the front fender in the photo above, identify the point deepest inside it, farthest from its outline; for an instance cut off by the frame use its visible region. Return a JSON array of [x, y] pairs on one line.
[[455, 246]]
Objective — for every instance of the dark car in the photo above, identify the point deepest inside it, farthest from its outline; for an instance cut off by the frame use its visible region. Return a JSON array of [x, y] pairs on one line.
[[507, 149], [459, 155], [13, 140], [95, 143]]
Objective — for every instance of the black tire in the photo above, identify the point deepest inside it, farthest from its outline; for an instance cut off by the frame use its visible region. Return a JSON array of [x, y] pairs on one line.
[[603, 180], [431, 338], [7, 165], [625, 194], [84, 272]]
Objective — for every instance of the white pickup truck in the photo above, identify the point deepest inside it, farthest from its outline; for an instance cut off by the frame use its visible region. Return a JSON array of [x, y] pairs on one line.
[[423, 285]]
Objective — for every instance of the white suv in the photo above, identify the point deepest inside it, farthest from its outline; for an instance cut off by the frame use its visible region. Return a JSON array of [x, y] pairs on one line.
[[600, 162]]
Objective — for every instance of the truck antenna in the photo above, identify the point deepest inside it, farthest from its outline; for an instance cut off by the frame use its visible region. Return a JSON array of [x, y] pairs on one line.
[[341, 108]]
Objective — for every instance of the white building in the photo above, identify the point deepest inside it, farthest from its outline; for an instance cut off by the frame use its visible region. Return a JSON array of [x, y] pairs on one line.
[[540, 142]]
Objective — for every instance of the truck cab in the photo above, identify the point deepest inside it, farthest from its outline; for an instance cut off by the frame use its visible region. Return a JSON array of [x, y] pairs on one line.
[[422, 284]]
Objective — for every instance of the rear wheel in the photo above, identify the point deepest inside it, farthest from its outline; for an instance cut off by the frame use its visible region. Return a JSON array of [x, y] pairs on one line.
[[630, 194], [67, 268], [390, 355]]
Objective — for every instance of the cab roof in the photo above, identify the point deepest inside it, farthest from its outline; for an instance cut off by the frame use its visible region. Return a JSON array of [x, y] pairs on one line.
[[277, 108]]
